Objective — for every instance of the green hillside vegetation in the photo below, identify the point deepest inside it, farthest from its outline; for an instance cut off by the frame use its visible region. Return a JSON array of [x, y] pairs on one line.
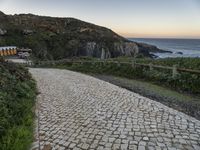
[[53, 38], [17, 95], [49, 45]]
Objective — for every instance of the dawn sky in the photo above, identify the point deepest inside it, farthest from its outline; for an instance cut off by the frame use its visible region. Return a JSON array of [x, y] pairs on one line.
[[130, 18]]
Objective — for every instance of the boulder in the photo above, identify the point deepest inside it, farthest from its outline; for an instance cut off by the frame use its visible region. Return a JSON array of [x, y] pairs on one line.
[[180, 53], [27, 32], [2, 31]]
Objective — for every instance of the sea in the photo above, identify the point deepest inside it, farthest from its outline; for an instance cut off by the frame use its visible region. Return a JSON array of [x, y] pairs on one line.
[[178, 47]]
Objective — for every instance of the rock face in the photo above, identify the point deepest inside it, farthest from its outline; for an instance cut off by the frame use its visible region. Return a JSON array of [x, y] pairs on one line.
[[127, 48], [144, 48], [119, 49], [180, 53], [57, 38]]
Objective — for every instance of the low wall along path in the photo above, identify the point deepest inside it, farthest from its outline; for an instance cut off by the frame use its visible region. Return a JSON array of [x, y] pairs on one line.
[[76, 111]]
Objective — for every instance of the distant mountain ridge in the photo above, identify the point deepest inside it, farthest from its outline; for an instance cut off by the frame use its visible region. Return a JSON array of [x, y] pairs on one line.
[[57, 38]]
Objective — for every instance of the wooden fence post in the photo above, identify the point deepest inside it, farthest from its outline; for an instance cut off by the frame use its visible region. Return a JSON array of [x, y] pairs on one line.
[[151, 67], [133, 64], [118, 64], [104, 62], [174, 71]]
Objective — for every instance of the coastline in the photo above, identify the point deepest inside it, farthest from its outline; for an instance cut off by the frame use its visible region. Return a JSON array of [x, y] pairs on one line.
[[172, 48]]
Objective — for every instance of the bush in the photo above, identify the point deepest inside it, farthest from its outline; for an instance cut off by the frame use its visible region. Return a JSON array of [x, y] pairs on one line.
[[17, 95]]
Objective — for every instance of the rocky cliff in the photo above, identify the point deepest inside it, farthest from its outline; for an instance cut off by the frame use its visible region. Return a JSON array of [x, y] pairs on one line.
[[57, 38]]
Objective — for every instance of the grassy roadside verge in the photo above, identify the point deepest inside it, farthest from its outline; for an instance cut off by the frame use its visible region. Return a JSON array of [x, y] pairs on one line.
[[17, 97]]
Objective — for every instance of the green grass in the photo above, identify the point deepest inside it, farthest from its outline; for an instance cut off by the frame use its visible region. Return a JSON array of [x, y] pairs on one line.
[[17, 95]]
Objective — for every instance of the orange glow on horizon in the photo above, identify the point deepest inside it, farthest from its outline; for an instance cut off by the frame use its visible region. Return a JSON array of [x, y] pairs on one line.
[[160, 33], [145, 35], [156, 29]]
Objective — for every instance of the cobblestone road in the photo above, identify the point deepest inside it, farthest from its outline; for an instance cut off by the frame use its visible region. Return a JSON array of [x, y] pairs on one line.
[[77, 111]]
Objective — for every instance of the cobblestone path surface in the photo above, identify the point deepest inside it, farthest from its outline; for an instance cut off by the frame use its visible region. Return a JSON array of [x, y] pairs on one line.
[[76, 111]]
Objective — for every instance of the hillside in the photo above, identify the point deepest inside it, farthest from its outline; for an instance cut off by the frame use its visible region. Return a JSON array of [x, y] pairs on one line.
[[57, 38]]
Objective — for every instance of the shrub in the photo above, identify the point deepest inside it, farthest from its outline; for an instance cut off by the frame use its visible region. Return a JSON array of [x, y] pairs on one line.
[[17, 95]]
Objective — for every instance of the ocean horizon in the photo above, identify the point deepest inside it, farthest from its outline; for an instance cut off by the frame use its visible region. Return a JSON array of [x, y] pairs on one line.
[[178, 47]]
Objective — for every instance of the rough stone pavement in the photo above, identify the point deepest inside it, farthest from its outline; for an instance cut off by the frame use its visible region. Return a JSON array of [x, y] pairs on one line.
[[76, 111]]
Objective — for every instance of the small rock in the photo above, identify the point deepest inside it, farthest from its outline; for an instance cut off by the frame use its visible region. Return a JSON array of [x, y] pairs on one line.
[[47, 147], [145, 138]]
